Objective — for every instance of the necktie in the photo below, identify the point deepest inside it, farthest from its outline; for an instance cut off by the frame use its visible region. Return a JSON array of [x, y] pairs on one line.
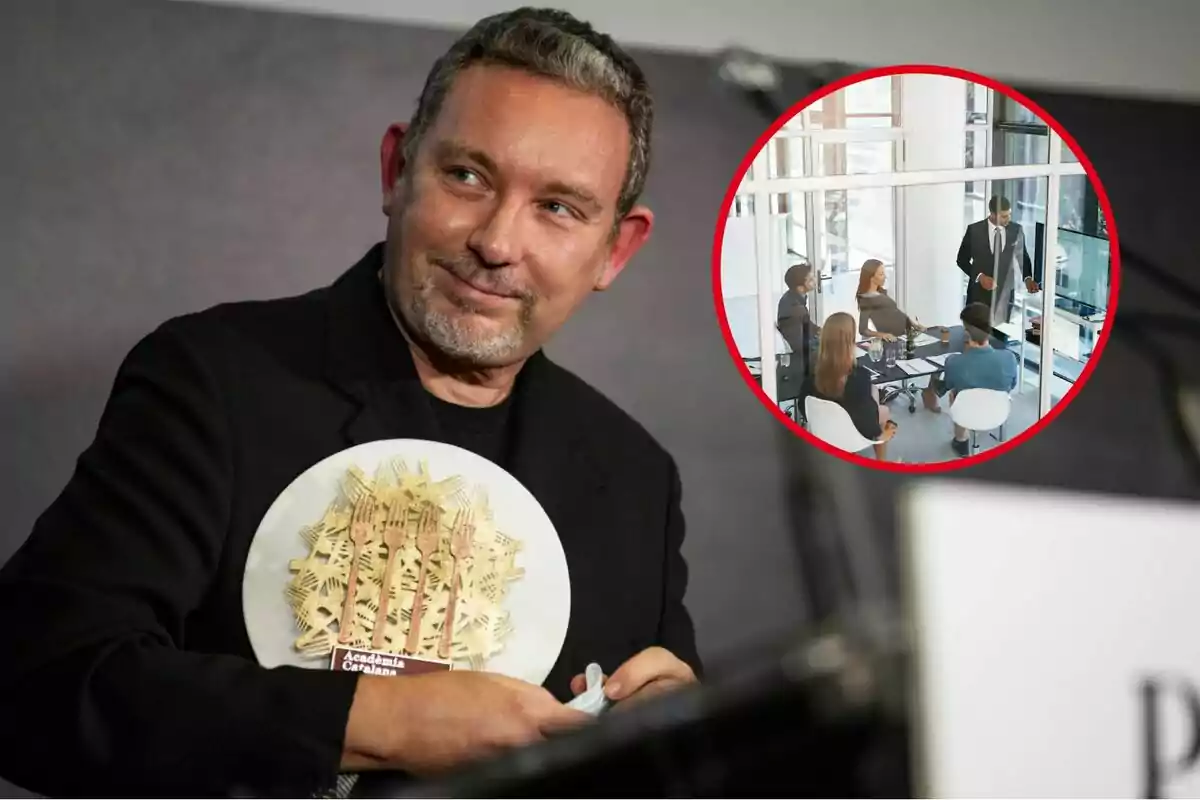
[[997, 246]]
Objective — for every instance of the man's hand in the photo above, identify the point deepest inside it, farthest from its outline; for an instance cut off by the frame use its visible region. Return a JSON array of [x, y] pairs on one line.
[[426, 723], [986, 282], [649, 673], [1031, 286]]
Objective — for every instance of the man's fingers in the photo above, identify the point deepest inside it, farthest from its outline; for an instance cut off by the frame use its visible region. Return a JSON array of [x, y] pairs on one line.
[[651, 690], [649, 665], [579, 683], [561, 718]]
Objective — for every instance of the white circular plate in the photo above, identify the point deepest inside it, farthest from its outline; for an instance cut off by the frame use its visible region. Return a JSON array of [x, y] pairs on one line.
[[539, 604]]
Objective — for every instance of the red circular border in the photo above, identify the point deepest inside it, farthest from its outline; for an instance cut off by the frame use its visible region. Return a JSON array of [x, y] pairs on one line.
[[1101, 339]]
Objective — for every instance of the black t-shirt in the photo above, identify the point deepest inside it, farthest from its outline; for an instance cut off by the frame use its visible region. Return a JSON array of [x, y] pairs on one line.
[[856, 398], [483, 431]]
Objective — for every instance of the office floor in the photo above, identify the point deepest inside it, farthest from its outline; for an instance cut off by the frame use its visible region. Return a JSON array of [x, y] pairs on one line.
[[924, 437]]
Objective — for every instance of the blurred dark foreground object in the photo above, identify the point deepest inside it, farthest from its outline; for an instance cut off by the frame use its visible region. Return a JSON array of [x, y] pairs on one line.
[[815, 721]]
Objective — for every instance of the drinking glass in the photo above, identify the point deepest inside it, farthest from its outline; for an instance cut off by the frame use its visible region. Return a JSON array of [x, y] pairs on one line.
[[890, 353], [875, 350]]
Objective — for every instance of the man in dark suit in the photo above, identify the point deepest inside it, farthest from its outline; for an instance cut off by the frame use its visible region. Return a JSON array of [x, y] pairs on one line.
[[991, 255], [509, 199]]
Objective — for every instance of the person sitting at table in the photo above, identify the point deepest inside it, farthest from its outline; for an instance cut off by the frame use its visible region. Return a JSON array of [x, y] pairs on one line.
[[838, 377], [978, 366], [876, 308], [793, 320]]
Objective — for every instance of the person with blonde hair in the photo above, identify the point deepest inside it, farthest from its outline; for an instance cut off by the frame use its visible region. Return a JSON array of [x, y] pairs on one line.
[[876, 308], [838, 377]]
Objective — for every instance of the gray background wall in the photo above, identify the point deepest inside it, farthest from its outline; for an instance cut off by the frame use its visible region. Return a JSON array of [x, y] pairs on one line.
[[1146, 46], [163, 157]]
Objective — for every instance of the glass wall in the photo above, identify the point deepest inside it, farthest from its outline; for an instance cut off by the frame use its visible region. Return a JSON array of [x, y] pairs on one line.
[[859, 224]]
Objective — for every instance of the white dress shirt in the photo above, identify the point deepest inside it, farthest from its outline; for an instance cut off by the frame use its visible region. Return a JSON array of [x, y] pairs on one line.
[[992, 228]]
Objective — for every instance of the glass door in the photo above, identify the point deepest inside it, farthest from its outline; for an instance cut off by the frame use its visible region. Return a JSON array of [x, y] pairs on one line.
[[852, 226]]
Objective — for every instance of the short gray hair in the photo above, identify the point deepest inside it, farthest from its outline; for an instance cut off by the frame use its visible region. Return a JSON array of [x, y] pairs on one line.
[[556, 45]]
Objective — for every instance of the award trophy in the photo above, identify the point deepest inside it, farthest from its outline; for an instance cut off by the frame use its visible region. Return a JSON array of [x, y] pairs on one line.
[[404, 574], [395, 558]]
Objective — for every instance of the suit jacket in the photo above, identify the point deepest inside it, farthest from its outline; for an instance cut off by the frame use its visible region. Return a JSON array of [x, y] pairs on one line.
[[975, 258], [130, 669], [795, 325]]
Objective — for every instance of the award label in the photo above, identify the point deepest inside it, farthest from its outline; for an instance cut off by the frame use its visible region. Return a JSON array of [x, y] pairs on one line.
[[370, 662]]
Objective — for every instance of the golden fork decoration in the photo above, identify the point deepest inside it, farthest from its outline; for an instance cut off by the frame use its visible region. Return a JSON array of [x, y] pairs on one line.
[[462, 537], [396, 530], [428, 538], [362, 524]]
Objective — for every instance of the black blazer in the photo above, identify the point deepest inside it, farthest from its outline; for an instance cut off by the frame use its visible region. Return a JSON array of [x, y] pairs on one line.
[[975, 258], [128, 668]]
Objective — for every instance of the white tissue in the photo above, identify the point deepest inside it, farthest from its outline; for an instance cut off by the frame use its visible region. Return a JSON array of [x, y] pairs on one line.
[[592, 700]]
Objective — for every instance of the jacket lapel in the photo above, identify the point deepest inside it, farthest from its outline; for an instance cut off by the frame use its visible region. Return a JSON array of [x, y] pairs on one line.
[[368, 360]]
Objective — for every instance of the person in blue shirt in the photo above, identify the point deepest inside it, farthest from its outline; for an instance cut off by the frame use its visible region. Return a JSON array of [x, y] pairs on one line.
[[979, 366]]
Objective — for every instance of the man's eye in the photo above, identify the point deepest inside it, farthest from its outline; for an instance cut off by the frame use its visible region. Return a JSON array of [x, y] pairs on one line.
[[463, 176], [558, 209]]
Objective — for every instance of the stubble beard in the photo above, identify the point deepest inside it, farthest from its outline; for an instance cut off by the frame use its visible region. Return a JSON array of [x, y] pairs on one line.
[[458, 336]]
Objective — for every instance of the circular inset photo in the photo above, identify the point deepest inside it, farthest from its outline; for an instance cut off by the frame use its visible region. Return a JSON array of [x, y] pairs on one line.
[[915, 268]]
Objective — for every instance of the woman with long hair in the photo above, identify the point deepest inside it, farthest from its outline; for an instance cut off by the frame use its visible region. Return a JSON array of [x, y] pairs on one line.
[[876, 308], [838, 377]]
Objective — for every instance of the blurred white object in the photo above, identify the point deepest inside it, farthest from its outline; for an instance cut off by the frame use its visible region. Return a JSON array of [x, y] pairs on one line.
[[592, 700], [1055, 644], [980, 410], [749, 70], [830, 423]]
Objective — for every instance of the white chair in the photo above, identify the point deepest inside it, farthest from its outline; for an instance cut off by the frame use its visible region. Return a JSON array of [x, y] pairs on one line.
[[830, 423], [980, 410]]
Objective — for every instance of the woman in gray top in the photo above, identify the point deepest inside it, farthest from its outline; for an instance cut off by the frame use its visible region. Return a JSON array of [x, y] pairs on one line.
[[876, 309]]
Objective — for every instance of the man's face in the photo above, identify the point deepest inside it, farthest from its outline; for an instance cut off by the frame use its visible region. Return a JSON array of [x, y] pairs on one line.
[[1002, 218], [505, 220]]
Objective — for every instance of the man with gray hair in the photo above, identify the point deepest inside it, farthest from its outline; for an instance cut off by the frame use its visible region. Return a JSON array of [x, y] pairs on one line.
[[510, 197]]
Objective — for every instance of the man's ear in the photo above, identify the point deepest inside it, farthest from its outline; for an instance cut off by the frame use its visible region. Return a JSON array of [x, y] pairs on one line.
[[391, 162], [632, 232]]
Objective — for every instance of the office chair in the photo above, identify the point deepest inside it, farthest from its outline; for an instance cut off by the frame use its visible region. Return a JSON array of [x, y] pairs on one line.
[[981, 410], [830, 423]]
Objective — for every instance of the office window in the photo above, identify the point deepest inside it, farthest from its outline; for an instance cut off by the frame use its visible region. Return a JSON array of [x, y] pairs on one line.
[[977, 104], [869, 97], [742, 206], [856, 158], [867, 104], [1008, 110]]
